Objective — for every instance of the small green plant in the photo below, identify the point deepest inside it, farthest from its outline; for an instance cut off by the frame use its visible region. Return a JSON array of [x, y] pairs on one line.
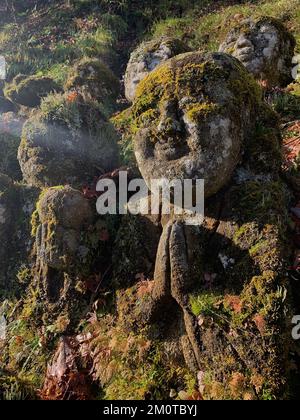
[[205, 304]]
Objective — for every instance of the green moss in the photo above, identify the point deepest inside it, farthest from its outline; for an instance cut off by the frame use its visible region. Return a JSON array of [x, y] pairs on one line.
[[24, 355], [287, 103], [264, 149], [134, 368], [34, 223], [14, 389], [246, 88], [24, 275], [182, 78], [29, 91], [260, 199], [206, 32], [35, 218], [125, 126], [200, 111]]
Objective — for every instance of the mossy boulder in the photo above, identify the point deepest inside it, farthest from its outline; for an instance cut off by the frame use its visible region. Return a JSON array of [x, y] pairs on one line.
[[94, 80], [29, 91], [146, 58], [192, 117], [68, 141], [265, 47]]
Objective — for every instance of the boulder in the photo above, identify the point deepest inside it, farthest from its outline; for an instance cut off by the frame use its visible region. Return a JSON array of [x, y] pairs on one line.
[[193, 115], [68, 142], [146, 58], [29, 91], [266, 49], [96, 81]]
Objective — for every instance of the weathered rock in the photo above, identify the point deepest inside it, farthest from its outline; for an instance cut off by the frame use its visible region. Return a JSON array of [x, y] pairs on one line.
[[6, 105], [96, 81], [29, 91], [266, 49], [146, 58], [68, 142], [194, 115]]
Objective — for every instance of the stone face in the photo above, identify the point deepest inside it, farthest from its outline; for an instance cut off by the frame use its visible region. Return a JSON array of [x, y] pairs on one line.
[[146, 58], [68, 142], [95, 80], [266, 49], [194, 114], [63, 214], [29, 91]]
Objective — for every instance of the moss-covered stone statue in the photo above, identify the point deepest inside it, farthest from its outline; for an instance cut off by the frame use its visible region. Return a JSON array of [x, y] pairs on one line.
[[220, 295], [266, 49], [68, 141], [146, 58], [94, 80], [68, 251]]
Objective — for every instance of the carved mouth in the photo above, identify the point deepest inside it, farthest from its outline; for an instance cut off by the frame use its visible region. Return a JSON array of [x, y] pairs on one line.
[[245, 56]]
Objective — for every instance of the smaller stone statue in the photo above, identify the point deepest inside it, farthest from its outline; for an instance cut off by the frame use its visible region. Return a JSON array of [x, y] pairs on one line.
[[266, 49]]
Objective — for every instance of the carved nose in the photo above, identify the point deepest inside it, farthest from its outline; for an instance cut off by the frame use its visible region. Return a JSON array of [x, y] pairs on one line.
[[243, 42]]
